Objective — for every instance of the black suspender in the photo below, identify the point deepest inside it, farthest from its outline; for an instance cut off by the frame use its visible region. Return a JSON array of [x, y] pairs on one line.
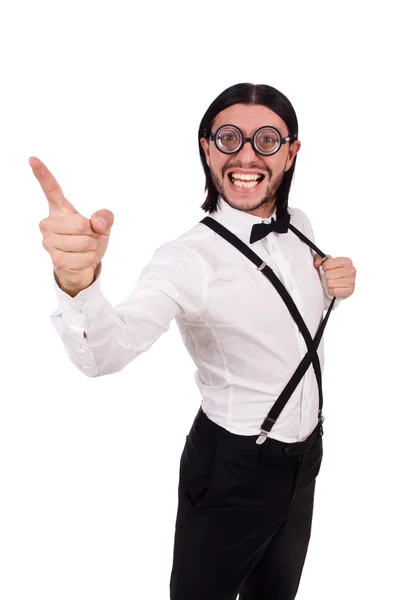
[[312, 343]]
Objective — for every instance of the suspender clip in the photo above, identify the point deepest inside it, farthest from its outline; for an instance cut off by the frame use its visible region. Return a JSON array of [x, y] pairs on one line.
[[262, 266], [262, 437]]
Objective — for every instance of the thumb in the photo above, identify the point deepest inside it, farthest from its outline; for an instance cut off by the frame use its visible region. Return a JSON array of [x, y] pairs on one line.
[[102, 221], [317, 261]]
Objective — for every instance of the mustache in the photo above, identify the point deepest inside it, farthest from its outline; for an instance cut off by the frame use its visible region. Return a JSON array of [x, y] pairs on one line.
[[240, 166]]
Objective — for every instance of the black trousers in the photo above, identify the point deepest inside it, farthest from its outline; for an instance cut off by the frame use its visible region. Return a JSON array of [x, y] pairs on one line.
[[244, 514]]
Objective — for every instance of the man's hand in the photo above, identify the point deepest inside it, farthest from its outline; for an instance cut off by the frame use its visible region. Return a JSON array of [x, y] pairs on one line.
[[76, 244], [340, 275]]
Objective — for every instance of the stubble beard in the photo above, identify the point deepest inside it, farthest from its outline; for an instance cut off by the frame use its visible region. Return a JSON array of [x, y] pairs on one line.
[[267, 199]]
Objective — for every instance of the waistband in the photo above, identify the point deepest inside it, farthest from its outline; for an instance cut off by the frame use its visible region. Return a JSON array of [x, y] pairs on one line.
[[214, 432]]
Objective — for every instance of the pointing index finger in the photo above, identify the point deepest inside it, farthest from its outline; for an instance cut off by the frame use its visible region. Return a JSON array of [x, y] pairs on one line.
[[51, 188]]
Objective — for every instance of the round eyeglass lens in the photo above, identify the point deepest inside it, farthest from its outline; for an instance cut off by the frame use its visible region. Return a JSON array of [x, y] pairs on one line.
[[267, 140], [228, 138]]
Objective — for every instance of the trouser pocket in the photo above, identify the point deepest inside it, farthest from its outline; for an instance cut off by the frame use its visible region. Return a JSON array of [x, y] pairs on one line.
[[197, 469]]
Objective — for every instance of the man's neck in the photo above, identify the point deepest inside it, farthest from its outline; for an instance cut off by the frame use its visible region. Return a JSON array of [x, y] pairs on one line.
[[264, 211]]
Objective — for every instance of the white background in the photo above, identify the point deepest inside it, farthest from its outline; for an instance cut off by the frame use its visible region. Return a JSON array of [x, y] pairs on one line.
[[110, 95]]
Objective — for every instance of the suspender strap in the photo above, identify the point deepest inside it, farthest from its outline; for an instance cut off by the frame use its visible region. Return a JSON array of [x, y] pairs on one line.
[[306, 240], [312, 344], [293, 309], [267, 271], [285, 395]]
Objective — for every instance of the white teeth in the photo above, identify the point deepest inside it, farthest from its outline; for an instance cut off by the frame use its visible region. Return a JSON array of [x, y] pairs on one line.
[[246, 176], [245, 180], [248, 184]]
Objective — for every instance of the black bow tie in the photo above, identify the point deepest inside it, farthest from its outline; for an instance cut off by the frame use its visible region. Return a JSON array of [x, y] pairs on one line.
[[261, 230]]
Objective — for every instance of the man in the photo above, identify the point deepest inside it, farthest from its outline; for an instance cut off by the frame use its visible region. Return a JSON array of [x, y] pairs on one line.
[[249, 465]]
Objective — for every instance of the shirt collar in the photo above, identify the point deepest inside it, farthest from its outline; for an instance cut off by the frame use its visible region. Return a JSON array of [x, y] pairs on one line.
[[237, 221]]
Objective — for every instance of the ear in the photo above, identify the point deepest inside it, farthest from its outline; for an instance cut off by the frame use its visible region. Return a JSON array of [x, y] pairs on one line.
[[206, 147], [292, 152]]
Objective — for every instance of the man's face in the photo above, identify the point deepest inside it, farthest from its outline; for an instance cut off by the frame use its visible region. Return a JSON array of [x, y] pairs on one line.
[[253, 196]]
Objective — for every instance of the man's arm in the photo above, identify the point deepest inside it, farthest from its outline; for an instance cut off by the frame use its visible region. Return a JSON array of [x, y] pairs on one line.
[[100, 338]]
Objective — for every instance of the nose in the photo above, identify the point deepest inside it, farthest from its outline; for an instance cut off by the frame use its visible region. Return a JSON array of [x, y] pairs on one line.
[[247, 153]]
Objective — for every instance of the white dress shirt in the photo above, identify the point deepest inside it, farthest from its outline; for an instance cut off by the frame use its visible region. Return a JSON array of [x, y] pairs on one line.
[[233, 322]]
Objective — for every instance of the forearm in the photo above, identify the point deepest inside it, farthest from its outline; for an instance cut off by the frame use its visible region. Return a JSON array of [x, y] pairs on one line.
[[100, 338], [94, 343]]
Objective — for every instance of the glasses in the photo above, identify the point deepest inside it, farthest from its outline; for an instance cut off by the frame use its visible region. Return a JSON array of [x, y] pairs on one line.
[[267, 140]]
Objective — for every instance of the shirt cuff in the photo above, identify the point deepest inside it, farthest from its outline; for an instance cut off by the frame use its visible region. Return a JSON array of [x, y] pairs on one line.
[[327, 296], [86, 304]]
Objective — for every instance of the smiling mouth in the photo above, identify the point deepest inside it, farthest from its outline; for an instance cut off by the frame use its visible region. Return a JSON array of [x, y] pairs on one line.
[[246, 180]]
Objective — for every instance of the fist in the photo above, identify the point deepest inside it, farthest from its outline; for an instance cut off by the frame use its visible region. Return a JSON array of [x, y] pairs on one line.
[[340, 275], [76, 244]]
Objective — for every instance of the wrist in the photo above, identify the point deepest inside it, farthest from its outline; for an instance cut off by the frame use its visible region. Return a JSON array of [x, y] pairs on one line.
[[73, 290]]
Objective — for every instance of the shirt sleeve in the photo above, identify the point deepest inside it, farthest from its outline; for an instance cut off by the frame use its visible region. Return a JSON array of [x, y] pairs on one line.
[[308, 231], [101, 339]]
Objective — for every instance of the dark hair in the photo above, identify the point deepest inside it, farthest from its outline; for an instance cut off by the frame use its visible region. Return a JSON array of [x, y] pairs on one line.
[[248, 93]]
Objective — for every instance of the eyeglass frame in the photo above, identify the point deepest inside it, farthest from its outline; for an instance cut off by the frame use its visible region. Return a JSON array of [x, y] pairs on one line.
[[244, 140]]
